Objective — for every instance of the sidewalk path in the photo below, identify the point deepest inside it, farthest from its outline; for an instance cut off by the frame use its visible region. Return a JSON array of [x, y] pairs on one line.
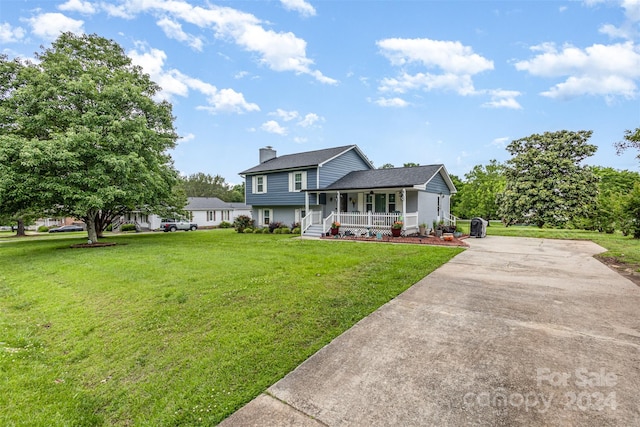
[[513, 331]]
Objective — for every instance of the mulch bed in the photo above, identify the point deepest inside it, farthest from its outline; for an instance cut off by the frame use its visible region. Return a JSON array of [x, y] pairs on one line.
[[93, 245], [416, 240]]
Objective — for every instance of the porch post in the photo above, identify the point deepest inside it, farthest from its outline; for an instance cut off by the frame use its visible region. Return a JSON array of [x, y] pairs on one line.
[[338, 206], [404, 208], [306, 202]]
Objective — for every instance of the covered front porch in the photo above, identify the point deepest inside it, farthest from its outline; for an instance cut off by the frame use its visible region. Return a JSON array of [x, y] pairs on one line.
[[373, 212]]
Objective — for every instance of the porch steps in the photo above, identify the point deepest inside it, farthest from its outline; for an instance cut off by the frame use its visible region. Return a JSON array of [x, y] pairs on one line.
[[314, 231]]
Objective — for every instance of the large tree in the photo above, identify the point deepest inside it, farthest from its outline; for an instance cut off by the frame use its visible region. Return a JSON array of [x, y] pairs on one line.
[[83, 122], [546, 182], [631, 140], [482, 186]]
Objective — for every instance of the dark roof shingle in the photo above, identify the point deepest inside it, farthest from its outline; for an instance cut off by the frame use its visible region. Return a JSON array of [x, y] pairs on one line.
[[298, 160], [386, 178]]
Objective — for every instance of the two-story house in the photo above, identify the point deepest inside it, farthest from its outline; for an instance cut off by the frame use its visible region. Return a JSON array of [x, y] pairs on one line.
[[317, 188]]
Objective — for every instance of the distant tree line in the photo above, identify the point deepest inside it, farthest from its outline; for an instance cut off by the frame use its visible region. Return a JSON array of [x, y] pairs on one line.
[[545, 183], [204, 185]]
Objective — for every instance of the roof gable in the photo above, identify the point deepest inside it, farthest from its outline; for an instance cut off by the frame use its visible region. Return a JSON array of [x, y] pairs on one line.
[[302, 160]]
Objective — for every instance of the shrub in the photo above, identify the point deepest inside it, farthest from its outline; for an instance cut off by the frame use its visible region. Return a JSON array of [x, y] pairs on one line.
[[295, 225], [274, 225], [257, 231], [128, 227], [109, 227], [296, 230], [43, 229], [265, 230], [285, 230], [241, 222], [248, 230], [225, 224], [277, 231]]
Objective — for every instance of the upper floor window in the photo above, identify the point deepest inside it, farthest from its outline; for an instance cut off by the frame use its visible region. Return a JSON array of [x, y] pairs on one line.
[[259, 184], [297, 181]]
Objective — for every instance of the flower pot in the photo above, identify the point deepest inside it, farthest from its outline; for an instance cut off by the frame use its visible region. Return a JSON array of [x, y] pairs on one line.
[[457, 234], [423, 230], [447, 237], [335, 231], [395, 232]]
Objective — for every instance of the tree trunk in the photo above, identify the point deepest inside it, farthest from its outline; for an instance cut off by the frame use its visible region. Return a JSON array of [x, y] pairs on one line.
[[20, 230], [91, 228]]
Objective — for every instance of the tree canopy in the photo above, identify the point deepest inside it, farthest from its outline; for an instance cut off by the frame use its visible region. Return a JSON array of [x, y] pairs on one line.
[[204, 185], [81, 135], [477, 197], [546, 182], [631, 140]]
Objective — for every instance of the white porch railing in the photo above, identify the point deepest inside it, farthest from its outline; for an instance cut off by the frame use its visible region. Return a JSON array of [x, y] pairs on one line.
[[313, 217], [371, 222], [451, 219]]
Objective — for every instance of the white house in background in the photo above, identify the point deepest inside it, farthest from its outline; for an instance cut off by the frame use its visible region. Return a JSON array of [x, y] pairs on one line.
[[204, 211], [211, 211]]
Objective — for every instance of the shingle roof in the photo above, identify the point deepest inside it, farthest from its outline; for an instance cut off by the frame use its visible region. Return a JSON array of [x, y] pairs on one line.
[[298, 160], [386, 178], [210, 203]]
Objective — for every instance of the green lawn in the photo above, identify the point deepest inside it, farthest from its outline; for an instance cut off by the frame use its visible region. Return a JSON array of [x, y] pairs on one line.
[[177, 328], [624, 249]]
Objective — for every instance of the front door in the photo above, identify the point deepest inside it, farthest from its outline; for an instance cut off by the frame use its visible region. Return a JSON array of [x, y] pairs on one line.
[[381, 203]]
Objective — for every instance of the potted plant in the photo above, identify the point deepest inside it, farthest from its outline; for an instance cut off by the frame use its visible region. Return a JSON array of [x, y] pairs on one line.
[[440, 229], [396, 229], [423, 229], [335, 228], [458, 232]]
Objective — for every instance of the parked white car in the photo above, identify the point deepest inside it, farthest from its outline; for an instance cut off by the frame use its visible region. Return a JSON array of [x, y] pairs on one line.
[[172, 224]]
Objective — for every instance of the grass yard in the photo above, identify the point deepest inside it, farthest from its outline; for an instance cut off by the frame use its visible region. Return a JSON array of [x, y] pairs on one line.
[[177, 328]]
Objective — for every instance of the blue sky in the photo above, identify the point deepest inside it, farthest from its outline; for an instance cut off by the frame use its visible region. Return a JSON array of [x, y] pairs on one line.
[[408, 81]]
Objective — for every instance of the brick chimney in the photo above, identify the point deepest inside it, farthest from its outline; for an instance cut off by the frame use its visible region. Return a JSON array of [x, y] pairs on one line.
[[267, 153]]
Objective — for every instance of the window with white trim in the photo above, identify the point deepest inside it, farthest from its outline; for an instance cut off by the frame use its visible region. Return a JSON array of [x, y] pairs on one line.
[[259, 184], [297, 181], [265, 216]]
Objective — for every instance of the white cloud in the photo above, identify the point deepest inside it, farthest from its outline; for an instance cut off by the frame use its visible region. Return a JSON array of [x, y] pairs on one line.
[[449, 56], [174, 82], [300, 6], [274, 127], [279, 51], [391, 102], [188, 137], [449, 65], [80, 6], [241, 75], [603, 70], [299, 140], [310, 120], [462, 84], [9, 34], [501, 142], [173, 30], [628, 30], [49, 25], [287, 116], [503, 99]]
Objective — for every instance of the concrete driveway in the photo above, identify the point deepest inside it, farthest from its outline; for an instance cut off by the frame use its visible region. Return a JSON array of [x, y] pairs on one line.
[[513, 331]]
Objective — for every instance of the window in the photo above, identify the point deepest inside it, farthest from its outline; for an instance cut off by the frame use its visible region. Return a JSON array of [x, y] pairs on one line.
[[226, 215], [392, 202], [265, 216], [259, 184], [369, 199], [211, 215], [297, 181]]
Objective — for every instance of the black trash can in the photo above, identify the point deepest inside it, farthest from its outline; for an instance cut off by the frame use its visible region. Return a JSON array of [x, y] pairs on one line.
[[478, 228]]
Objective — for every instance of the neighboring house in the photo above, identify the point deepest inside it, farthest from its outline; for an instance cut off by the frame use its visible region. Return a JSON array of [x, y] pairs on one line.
[[211, 211], [204, 211], [340, 184]]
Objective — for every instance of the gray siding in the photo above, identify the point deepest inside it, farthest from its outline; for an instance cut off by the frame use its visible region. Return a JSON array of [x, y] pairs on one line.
[[278, 193], [438, 185], [340, 166]]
